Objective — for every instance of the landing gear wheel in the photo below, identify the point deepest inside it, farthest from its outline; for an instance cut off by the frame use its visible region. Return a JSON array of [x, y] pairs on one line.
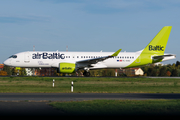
[[86, 74]]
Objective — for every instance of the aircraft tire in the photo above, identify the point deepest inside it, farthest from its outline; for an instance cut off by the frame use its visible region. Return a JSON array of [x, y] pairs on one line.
[[86, 74]]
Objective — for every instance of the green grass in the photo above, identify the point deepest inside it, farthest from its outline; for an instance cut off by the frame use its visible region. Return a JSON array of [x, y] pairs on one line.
[[88, 85], [119, 107]]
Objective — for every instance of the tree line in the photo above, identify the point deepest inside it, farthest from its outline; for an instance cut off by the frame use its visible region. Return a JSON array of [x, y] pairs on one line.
[[8, 71], [149, 70], [165, 70]]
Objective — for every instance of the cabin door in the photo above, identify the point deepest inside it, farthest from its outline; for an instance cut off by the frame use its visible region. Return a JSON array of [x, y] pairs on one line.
[[26, 57]]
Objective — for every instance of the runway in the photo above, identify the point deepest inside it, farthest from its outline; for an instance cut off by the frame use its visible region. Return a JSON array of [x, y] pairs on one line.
[[37, 104], [36, 97]]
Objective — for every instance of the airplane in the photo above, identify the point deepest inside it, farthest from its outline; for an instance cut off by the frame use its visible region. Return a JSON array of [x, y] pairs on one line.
[[70, 62]]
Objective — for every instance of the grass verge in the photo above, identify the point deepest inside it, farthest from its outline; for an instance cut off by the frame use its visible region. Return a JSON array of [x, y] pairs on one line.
[[88, 85], [119, 108]]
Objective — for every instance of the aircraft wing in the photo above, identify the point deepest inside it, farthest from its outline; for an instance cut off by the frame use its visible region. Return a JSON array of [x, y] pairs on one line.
[[162, 56], [96, 60]]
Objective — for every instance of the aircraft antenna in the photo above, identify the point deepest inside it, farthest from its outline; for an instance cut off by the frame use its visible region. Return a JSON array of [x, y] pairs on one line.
[[33, 48], [66, 48]]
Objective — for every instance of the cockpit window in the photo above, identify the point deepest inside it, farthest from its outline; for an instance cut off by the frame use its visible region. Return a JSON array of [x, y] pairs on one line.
[[13, 56]]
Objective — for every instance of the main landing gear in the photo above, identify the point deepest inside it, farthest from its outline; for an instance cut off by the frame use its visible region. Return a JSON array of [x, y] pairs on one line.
[[86, 73]]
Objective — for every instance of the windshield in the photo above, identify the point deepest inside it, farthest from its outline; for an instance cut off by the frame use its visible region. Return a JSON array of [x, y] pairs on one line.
[[13, 56]]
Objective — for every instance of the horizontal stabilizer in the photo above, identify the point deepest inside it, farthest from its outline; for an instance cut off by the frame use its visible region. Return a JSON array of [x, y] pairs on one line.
[[163, 56]]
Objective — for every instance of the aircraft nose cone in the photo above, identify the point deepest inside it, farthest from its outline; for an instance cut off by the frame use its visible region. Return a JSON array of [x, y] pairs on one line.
[[7, 62]]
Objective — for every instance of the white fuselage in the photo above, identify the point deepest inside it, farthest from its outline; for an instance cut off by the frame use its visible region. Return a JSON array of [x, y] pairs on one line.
[[52, 59]]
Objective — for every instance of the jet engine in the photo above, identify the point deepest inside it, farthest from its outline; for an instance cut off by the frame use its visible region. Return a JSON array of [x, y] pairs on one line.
[[67, 67]]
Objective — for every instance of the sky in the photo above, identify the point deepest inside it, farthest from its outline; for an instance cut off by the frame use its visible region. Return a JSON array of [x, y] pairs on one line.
[[86, 25]]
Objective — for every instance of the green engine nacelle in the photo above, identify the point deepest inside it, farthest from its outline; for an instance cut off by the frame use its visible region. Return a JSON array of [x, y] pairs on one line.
[[67, 67]]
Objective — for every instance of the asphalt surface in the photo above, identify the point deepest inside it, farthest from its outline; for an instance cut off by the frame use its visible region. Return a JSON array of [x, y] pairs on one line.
[[20, 109], [46, 97], [37, 104]]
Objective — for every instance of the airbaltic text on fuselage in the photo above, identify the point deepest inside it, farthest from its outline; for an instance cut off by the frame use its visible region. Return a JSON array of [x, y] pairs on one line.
[[156, 48], [48, 56]]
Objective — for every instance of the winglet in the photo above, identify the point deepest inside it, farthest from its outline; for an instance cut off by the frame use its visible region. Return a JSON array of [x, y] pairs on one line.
[[116, 53]]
